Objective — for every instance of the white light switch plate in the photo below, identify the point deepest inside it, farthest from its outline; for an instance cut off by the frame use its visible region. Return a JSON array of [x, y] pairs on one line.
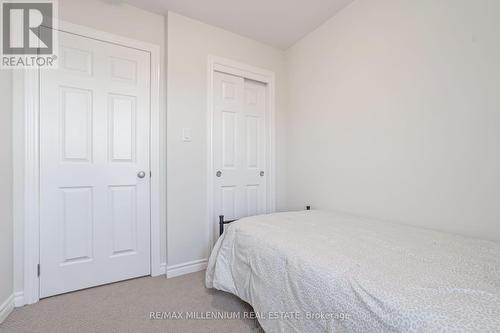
[[186, 134]]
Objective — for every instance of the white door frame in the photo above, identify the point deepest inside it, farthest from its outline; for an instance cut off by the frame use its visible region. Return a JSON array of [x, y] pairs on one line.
[[232, 67], [28, 130]]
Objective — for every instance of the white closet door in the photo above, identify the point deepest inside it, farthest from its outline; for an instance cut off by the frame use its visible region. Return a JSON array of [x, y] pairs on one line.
[[94, 144], [239, 134]]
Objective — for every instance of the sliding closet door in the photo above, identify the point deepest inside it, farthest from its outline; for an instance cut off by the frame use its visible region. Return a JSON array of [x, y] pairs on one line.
[[239, 134]]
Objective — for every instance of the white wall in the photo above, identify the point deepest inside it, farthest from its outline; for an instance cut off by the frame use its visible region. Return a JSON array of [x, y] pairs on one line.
[[189, 44], [395, 114], [6, 221], [116, 18]]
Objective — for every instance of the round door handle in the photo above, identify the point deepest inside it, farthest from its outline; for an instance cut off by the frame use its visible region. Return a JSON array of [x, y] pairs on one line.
[[218, 173], [262, 173], [141, 174]]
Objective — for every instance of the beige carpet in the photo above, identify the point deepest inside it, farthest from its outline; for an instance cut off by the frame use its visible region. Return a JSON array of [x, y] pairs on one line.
[[126, 306]]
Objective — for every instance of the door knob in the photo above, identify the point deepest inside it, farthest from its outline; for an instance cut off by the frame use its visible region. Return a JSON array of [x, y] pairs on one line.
[[141, 174], [219, 173], [262, 173]]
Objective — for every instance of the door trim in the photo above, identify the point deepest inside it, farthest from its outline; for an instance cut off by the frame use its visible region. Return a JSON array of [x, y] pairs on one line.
[[27, 178], [232, 67]]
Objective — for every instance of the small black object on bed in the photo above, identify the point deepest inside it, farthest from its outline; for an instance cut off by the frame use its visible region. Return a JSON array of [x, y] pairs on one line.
[[222, 222]]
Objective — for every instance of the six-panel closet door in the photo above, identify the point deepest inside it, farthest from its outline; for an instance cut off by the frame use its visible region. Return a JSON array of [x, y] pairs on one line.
[[94, 162], [239, 146]]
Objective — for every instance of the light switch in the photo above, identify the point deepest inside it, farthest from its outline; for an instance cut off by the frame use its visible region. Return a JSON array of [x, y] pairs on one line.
[[186, 134]]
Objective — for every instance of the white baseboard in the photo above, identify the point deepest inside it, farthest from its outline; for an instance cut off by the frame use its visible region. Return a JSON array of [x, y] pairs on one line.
[[163, 268], [186, 268], [6, 308], [19, 299]]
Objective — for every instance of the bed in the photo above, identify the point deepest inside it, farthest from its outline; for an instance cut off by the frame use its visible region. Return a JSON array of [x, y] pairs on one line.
[[320, 271]]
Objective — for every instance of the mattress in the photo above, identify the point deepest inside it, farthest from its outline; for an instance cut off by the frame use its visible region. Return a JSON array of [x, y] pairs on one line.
[[319, 271]]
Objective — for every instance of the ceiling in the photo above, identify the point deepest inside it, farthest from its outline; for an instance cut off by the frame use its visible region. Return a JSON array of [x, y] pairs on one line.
[[279, 23]]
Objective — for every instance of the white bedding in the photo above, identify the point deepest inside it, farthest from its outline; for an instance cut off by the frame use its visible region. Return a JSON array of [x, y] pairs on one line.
[[360, 275]]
